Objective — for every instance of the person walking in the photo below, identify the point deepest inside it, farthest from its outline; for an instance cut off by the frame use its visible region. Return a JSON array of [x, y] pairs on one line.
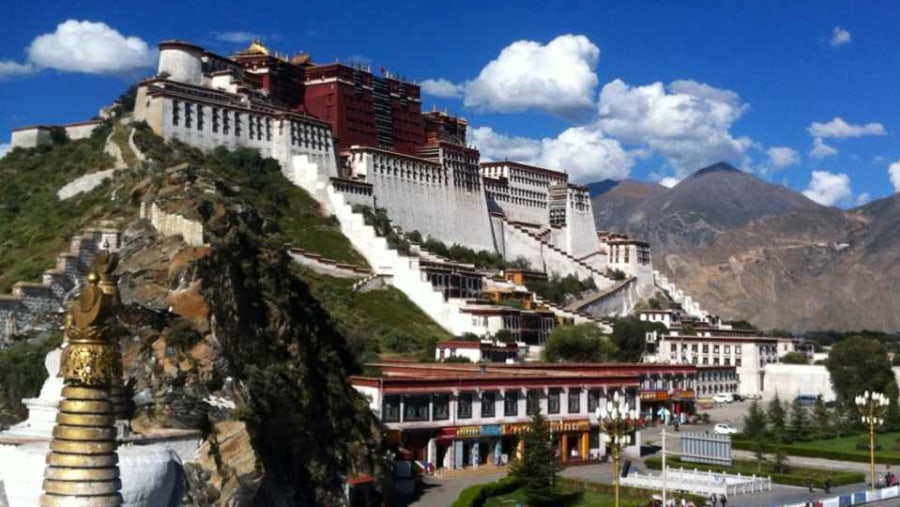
[[723, 500], [713, 500], [827, 485]]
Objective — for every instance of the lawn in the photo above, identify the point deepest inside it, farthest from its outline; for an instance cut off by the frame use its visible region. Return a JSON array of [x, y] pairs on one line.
[[842, 448], [585, 499]]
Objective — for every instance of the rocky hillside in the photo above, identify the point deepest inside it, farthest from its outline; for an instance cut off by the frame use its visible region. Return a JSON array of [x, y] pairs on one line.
[[232, 338], [750, 249]]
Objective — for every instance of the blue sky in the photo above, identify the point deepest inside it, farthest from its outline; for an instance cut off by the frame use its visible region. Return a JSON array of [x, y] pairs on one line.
[[801, 93]]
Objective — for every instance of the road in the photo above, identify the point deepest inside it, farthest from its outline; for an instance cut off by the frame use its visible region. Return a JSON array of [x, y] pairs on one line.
[[442, 492]]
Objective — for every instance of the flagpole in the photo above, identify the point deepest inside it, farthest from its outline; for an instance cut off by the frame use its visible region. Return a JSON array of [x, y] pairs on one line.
[[664, 472]]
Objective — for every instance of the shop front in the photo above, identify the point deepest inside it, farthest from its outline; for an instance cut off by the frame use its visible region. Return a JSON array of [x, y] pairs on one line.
[[571, 439], [471, 446]]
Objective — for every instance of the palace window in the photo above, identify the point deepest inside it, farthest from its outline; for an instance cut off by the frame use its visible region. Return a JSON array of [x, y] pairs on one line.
[[268, 129], [199, 117], [737, 350], [250, 125], [488, 404], [215, 120], [440, 407], [553, 401], [464, 406], [390, 411], [237, 124], [728, 349], [175, 112], [415, 408], [188, 112], [511, 404], [226, 122], [532, 401], [574, 400], [705, 349], [593, 400]]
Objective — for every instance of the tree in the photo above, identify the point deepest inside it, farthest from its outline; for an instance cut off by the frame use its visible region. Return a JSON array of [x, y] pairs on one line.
[[780, 463], [777, 418], [798, 427], [504, 336], [821, 418], [858, 364], [795, 358], [630, 336], [755, 431], [538, 469], [579, 343]]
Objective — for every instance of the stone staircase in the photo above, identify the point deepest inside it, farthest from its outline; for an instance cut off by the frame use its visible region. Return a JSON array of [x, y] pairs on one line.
[[687, 303], [554, 255], [29, 302]]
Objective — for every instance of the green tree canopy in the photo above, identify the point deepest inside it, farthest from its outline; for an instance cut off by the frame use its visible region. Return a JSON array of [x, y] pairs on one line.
[[581, 343], [795, 358], [755, 430], [858, 364], [538, 469], [630, 336], [798, 426], [777, 418], [821, 418]]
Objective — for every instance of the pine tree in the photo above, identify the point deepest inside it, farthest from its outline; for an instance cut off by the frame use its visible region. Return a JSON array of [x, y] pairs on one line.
[[777, 417], [538, 469], [755, 431], [798, 427], [821, 418]]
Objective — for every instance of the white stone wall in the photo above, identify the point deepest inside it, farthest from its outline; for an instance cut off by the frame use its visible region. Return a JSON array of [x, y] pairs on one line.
[[690, 307], [171, 224], [228, 120], [472, 354], [81, 130], [182, 65], [29, 138], [84, 183], [618, 301], [580, 228], [420, 195]]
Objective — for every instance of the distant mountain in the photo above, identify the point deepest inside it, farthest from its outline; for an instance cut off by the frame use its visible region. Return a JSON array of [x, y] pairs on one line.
[[615, 199], [746, 248]]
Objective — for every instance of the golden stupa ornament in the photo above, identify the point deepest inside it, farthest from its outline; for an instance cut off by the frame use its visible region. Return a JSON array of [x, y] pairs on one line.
[[82, 466]]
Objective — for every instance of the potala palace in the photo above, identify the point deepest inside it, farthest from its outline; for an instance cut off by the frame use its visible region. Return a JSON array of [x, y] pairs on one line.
[[353, 140]]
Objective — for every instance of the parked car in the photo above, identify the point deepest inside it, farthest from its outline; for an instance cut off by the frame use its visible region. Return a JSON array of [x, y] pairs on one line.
[[725, 429], [738, 397], [723, 398]]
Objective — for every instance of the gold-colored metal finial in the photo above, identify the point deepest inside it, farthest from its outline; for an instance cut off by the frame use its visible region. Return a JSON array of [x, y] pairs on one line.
[[82, 463]]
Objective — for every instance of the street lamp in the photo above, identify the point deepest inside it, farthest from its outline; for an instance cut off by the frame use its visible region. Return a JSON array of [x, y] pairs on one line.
[[617, 420], [872, 406]]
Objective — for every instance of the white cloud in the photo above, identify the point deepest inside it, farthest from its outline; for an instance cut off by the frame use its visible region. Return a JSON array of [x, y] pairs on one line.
[[782, 156], [9, 68], [584, 152], [4, 149], [442, 88], [894, 174], [557, 78], [236, 37], [688, 123], [838, 128], [821, 150], [828, 188], [90, 47], [669, 181], [839, 37], [863, 198]]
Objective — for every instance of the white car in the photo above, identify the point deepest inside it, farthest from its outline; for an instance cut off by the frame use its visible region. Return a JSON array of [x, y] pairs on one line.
[[724, 429], [723, 398]]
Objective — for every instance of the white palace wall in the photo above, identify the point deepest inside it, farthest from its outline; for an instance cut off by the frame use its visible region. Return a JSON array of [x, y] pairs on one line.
[[208, 119], [418, 195]]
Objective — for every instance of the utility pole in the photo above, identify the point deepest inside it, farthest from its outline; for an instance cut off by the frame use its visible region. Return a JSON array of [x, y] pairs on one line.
[[664, 472]]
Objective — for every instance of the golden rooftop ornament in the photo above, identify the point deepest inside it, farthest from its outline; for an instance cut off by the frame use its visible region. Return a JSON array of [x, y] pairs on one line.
[[82, 466]]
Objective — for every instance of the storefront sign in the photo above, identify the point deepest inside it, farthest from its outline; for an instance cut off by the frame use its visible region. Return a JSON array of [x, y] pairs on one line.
[[449, 431], [554, 426], [490, 430], [654, 395], [468, 431]]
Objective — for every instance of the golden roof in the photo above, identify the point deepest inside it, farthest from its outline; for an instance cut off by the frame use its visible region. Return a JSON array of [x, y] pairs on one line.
[[257, 47]]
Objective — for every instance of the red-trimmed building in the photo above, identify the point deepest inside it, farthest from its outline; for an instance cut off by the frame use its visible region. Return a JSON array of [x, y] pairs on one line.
[[364, 109], [460, 415]]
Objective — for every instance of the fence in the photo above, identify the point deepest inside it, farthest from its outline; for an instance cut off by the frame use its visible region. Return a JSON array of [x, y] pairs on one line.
[[701, 483]]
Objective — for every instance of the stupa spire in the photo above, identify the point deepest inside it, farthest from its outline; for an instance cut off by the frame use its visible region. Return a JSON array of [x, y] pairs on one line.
[[82, 466]]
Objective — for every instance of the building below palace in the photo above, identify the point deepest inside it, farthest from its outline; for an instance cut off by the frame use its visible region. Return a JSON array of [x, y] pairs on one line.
[[454, 415]]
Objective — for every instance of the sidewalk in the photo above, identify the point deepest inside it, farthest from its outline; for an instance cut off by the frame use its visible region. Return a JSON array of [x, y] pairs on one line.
[[825, 464]]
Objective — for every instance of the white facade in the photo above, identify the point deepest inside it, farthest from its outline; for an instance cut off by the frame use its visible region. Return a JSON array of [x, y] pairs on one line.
[[422, 195], [749, 356], [29, 137]]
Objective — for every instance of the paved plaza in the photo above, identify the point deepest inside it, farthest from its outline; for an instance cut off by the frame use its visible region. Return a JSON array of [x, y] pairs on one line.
[[442, 492]]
